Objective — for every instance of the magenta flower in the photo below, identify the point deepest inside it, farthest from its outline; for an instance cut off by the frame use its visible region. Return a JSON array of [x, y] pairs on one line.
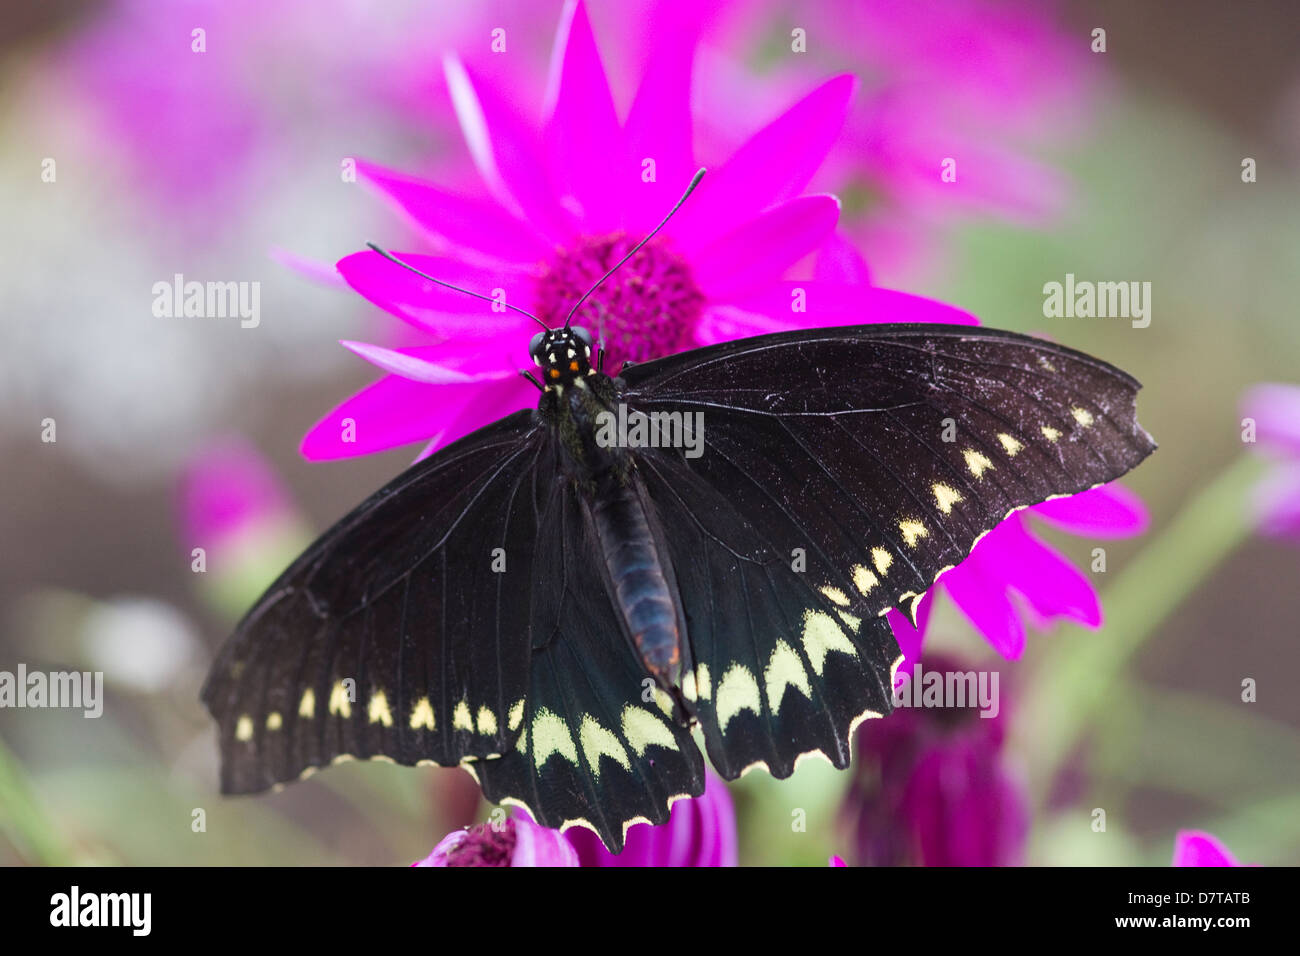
[[516, 841], [1011, 575], [229, 495], [1276, 411], [700, 831], [1198, 848], [561, 203], [984, 83], [931, 787]]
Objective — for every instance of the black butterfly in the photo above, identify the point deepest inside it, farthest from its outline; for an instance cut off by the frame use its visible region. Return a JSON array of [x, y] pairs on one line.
[[556, 611]]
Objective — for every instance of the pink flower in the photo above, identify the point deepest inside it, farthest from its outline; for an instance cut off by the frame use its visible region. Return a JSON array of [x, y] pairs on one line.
[[516, 841], [981, 82], [560, 204], [1198, 848], [1276, 411], [932, 787], [701, 831], [1012, 575]]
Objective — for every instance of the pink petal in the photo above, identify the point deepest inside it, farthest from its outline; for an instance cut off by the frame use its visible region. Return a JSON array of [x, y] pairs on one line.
[[395, 411], [506, 150], [583, 140], [839, 260], [434, 308], [1276, 410], [984, 602], [776, 163], [1277, 501], [1051, 584], [323, 273], [724, 323], [659, 124], [763, 248], [1111, 511], [540, 846], [462, 222], [841, 303], [419, 369], [1198, 848]]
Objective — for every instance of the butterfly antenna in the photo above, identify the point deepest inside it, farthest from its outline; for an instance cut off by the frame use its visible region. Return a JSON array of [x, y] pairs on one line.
[[424, 275], [695, 181]]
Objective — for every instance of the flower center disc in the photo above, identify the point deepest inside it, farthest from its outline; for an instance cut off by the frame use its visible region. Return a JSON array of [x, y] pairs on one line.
[[647, 309]]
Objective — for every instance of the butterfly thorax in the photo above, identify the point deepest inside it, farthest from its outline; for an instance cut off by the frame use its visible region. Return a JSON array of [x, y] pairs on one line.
[[623, 518]]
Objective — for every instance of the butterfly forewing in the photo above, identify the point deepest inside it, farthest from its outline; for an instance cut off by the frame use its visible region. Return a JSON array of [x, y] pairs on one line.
[[887, 451], [400, 632]]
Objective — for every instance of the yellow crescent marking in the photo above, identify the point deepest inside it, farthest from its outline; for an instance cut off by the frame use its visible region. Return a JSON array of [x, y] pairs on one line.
[[976, 463], [945, 497], [821, 635], [737, 691], [863, 579], [598, 742], [339, 703], [912, 530], [378, 710], [487, 721], [422, 715], [460, 717], [274, 721], [642, 729], [551, 736], [784, 669]]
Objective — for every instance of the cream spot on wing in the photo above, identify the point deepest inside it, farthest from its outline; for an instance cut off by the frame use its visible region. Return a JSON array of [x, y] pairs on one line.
[[664, 701], [244, 728], [695, 684], [882, 559], [460, 717], [378, 710], [976, 463], [836, 596], [598, 742], [422, 715], [912, 530], [821, 635], [1042, 360], [864, 580], [307, 706], [737, 691], [339, 702], [487, 721], [274, 721], [551, 736], [516, 714], [1050, 433], [945, 497], [1082, 416], [784, 669], [1009, 444], [643, 729]]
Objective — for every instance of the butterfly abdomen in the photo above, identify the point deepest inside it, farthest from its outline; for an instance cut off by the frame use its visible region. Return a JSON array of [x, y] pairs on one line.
[[639, 575]]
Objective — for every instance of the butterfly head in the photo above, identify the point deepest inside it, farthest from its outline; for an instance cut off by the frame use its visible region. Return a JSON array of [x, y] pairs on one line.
[[563, 354]]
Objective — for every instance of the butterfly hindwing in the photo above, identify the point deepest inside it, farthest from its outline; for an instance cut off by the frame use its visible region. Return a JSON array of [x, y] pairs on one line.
[[598, 744], [894, 448], [398, 633], [780, 670]]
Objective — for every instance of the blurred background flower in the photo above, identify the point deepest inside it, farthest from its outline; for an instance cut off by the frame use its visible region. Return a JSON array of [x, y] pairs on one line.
[[130, 158], [1274, 410], [932, 786]]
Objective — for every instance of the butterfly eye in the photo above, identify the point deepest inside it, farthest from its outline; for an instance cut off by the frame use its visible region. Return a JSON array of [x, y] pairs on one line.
[[535, 346], [584, 337]]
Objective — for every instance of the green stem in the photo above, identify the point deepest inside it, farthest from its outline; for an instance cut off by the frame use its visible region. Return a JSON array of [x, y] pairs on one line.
[[1075, 682], [23, 819]]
